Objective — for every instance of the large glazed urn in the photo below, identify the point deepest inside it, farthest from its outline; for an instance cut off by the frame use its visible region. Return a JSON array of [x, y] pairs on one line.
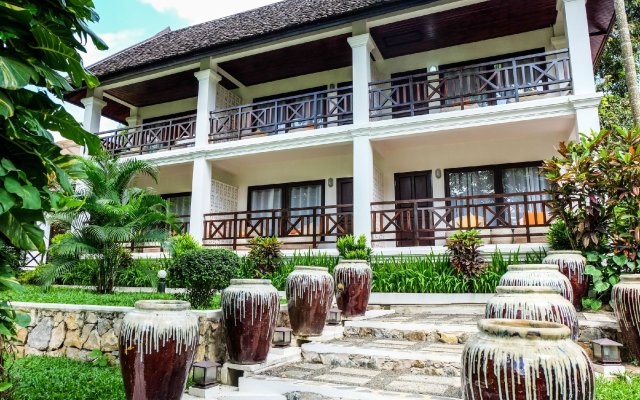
[[157, 342], [353, 280], [525, 360], [572, 264], [533, 303], [626, 305], [309, 298], [250, 310], [546, 275]]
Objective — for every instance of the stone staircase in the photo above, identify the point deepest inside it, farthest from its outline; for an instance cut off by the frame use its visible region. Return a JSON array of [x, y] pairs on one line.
[[385, 355]]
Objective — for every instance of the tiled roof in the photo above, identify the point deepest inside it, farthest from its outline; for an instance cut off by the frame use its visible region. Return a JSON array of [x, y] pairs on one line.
[[219, 33]]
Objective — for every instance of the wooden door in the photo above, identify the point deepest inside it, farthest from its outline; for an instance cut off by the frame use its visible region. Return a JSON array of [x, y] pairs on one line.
[[413, 186], [344, 187]]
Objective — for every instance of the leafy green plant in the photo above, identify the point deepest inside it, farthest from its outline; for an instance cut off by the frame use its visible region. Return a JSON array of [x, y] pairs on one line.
[[465, 257], [558, 236], [351, 249], [265, 254], [10, 256], [181, 244], [202, 272], [113, 213], [605, 271], [99, 358]]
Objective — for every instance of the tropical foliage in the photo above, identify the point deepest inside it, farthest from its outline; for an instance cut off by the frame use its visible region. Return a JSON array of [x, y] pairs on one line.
[[351, 249], [265, 255], [463, 247], [558, 236], [113, 213]]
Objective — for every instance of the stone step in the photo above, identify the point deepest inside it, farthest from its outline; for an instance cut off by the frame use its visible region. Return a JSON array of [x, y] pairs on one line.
[[391, 355], [302, 389], [431, 330]]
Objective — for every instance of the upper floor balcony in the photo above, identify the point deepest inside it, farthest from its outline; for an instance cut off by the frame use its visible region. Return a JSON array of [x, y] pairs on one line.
[[470, 86]]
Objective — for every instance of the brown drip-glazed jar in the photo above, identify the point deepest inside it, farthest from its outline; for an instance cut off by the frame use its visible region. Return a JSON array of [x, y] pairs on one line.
[[572, 265], [546, 275], [626, 304], [533, 303], [309, 298], [525, 360], [157, 341], [250, 310], [353, 280]]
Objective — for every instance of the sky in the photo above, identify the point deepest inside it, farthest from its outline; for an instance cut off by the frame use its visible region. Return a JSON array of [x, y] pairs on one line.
[[126, 22]]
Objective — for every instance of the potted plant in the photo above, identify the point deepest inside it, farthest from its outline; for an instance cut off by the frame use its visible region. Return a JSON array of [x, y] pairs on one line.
[[353, 276]]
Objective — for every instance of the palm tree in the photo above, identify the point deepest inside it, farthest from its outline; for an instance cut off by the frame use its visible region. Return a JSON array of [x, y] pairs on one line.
[[112, 213], [628, 60]]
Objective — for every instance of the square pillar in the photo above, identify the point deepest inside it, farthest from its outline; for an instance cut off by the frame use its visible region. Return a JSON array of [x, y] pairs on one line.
[[134, 118], [362, 186], [207, 89], [361, 46], [587, 120], [577, 32], [92, 112], [200, 197]]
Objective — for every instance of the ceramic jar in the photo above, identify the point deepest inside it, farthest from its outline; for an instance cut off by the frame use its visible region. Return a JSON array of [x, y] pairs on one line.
[[157, 343], [546, 275], [250, 309], [626, 305], [353, 280], [533, 303], [309, 298], [525, 360], [572, 265]]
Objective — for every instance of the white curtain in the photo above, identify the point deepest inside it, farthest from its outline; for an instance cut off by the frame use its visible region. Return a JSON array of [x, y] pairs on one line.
[[305, 196], [523, 180]]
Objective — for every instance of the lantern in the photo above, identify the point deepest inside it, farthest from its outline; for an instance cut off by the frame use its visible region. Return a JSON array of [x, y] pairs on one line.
[[205, 374], [335, 316], [282, 337], [606, 352]]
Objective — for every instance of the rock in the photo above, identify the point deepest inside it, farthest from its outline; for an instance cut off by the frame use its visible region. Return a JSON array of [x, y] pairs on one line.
[[58, 317], [93, 340], [448, 338], [40, 335], [57, 336], [109, 341], [77, 354], [21, 335], [103, 326], [117, 324], [72, 321], [73, 339], [91, 318], [415, 336]]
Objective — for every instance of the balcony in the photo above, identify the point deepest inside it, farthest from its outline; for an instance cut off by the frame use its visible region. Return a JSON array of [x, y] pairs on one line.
[[497, 82], [315, 110], [308, 227], [500, 219], [150, 137]]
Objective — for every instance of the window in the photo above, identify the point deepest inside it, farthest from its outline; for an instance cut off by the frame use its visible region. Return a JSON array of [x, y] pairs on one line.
[[180, 205], [510, 180], [291, 199]]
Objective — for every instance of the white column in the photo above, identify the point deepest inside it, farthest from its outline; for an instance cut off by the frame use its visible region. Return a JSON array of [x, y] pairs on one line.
[[207, 87], [577, 31], [587, 120], [200, 197], [134, 118], [92, 112], [362, 186], [361, 46]]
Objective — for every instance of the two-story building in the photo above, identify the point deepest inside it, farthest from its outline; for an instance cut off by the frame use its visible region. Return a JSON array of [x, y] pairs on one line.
[[400, 120]]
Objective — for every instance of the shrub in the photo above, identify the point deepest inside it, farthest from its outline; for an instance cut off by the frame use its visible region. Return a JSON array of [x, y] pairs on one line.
[[265, 254], [465, 256], [558, 236], [10, 256], [350, 249], [181, 244], [204, 271]]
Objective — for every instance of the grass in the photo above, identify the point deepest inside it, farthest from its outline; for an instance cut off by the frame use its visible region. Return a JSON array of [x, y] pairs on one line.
[[620, 388], [35, 294], [59, 378]]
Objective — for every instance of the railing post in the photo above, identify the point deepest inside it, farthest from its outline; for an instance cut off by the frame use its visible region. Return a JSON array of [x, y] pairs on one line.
[[460, 71], [412, 99], [516, 85], [315, 228], [236, 230], [526, 218], [414, 224]]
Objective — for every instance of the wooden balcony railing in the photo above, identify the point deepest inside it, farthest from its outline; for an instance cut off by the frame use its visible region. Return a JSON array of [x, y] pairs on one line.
[[150, 137], [308, 111], [502, 218], [496, 82], [309, 226]]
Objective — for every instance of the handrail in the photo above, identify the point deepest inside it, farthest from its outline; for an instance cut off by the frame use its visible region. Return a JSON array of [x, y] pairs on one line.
[[146, 124]]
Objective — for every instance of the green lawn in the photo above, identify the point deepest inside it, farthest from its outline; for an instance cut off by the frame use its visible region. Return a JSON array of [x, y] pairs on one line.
[[625, 387], [47, 378], [35, 294]]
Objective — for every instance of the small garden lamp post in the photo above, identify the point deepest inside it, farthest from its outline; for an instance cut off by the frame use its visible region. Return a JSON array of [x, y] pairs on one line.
[[205, 374], [282, 337], [606, 352], [162, 283], [334, 317]]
